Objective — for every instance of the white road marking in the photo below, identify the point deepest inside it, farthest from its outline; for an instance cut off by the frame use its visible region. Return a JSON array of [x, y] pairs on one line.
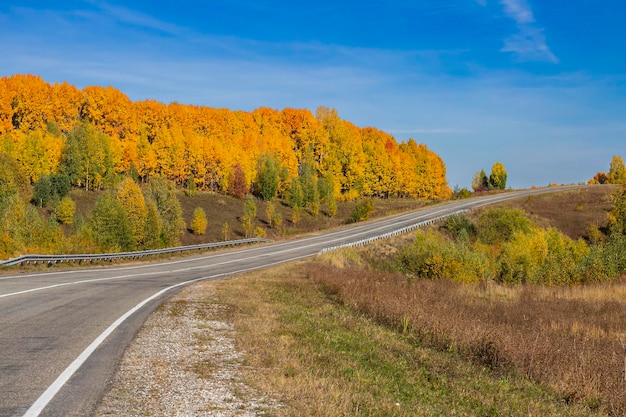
[[173, 271], [38, 406]]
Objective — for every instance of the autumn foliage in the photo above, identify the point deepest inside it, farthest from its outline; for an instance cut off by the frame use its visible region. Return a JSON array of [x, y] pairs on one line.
[[136, 154], [96, 133]]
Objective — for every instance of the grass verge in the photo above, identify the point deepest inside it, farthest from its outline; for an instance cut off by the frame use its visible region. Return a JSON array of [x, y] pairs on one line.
[[320, 356]]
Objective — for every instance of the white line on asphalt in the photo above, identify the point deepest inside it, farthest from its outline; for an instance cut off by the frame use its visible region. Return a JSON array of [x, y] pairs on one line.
[[173, 271], [45, 398]]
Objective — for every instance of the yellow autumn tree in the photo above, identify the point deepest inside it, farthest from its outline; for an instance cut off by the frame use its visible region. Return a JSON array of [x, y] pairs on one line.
[[498, 176], [199, 221], [132, 201]]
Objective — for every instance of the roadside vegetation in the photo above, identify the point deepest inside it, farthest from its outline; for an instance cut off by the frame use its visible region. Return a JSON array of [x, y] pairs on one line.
[[368, 332]]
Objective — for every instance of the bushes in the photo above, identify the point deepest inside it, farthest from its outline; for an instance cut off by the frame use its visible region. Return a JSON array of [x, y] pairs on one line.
[[460, 227], [506, 246], [497, 225], [361, 211], [432, 256]]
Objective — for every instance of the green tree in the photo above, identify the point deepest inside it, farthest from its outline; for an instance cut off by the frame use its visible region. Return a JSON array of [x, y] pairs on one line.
[[153, 226], [110, 225], [295, 197], [61, 185], [87, 158], [12, 179], [268, 178], [199, 221], [226, 231], [249, 206], [191, 185], [131, 199], [277, 220], [497, 178], [270, 209], [48, 188], [163, 192], [42, 191], [249, 214], [310, 190]]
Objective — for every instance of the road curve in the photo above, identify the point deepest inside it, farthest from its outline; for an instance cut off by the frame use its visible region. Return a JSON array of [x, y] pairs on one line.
[[62, 333]]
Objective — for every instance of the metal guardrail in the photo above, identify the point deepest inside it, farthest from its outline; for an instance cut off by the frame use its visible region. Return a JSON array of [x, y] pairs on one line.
[[52, 259], [396, 232]]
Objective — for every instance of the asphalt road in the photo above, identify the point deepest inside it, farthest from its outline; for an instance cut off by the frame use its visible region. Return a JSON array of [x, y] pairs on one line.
[[62, 333]]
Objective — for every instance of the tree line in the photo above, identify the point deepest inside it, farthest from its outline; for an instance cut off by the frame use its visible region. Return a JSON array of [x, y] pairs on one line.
[[96, 134]]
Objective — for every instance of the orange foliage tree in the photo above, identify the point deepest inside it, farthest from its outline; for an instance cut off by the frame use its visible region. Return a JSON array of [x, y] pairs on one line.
[[40, 122]]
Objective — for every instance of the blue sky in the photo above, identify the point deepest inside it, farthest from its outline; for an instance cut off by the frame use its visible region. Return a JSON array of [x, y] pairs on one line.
[[539, 86]]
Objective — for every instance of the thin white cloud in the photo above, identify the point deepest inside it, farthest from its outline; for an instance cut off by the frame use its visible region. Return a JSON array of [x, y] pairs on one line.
[[132, 17], [518, 10], [529, 44]]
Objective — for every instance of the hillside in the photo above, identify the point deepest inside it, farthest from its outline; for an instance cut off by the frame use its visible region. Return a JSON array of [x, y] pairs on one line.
[[572, 213], [55, 138]]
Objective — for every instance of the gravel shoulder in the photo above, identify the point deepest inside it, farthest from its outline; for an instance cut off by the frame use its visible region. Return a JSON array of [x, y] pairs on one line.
[[184, 362]]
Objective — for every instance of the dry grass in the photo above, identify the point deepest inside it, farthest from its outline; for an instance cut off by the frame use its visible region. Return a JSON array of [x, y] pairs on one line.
[[569, 338], [328, 353]]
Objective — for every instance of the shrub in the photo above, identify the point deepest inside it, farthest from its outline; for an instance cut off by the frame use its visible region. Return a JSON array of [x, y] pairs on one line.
[[361, 211], [267, 180], [460, 227], [522, 257], [462, 193], [199, 221], [259, 232], [498, 225], [277, 219], [432, 256]]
